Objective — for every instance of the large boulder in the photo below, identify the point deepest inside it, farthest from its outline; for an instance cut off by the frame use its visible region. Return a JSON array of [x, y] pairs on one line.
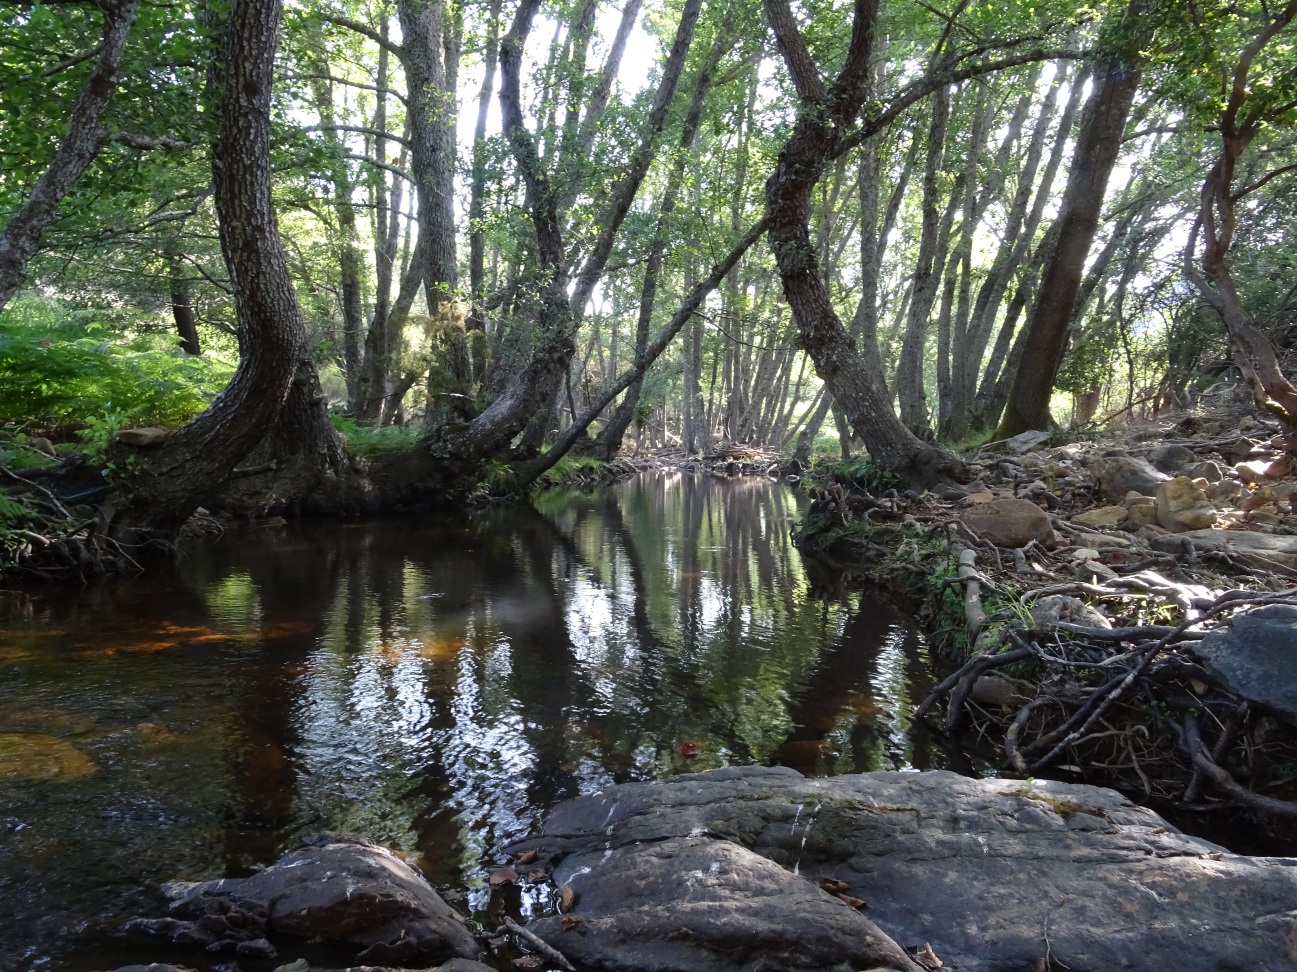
[[1118, 475], [1264, 550], [338, 888], [993, 874], [1009, 523], [1183, 506], [1256, 655]]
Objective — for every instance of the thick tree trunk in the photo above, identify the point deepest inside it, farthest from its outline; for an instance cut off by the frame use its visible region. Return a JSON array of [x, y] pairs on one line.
[[426, 26], [155, 501], [815, 139], [80, 143], [1097, 147]]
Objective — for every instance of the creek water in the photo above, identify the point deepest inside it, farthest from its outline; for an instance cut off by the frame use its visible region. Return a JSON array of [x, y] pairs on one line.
[[433, 684]]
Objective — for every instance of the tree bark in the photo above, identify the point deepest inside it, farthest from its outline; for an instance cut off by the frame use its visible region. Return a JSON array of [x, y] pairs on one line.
[[182, 311], [909, 372], [153, 502], [80, 144], [1097, 146], [816, 138]]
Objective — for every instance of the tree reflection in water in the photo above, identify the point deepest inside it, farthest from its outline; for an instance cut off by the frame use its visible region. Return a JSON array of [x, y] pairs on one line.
[[437, 684]]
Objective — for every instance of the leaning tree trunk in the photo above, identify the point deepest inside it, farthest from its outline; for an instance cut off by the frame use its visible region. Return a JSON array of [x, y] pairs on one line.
[[1097, 146], [1240, 123], [608, 443], [80, 144], [816, 138], [153, 502]]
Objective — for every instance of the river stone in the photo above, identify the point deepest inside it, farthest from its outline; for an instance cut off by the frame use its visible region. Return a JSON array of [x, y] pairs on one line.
[[346, 889], [706, 905], [1257, 656], [1172, 458], [983, 870], [146, 438], [1182, 506], [1141, 515], [1207, 470], [1118, 475], [33, 757], [1025, 442], [1101, 518], [1009, 523], [1263, 550]]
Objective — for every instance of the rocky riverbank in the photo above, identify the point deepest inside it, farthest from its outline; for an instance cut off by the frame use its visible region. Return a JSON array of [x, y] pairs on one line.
[[751, 868], [1097, 594]]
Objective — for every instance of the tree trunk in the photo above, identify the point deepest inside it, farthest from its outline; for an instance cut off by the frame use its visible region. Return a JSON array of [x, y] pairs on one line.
[[183, 312], [1240, 123], [80, 144], [1097, 147], [815, 139], [426, 26], [155, 501], [349, 260], [477, 192], [909, 372]]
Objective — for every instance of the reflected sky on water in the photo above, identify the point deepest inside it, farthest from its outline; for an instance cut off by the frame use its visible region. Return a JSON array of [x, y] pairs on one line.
[[433, 684]]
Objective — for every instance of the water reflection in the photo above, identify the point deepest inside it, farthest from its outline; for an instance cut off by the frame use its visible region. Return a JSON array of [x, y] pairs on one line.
[[434, 685]]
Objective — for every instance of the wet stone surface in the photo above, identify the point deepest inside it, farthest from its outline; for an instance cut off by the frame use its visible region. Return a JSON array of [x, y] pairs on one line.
[[993, 874]]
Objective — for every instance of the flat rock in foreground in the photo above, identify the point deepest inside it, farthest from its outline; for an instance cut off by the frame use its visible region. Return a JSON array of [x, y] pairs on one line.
[[994, 874]]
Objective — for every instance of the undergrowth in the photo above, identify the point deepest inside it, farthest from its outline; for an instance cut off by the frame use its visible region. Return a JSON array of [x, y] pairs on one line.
[[59, 371], [371, 440]]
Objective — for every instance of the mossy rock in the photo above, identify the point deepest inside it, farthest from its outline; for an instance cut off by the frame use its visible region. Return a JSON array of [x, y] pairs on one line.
[[30, 757]]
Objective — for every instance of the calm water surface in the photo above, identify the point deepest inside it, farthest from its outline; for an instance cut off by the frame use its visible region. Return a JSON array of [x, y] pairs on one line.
[[433, 684]]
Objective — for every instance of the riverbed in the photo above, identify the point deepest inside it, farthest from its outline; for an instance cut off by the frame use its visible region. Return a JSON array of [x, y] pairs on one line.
[[435, 684]]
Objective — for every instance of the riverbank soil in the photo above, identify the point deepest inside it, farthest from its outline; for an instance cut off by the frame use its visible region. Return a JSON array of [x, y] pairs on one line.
[[1124, 607]]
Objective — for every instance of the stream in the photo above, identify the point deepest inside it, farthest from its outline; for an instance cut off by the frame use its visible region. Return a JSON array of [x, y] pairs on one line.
[[434, 684]]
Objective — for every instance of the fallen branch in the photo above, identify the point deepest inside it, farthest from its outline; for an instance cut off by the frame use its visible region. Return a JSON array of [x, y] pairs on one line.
[[539, 944]]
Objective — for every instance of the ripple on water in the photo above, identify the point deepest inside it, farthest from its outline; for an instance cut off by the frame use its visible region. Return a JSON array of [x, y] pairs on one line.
[[433, 684]]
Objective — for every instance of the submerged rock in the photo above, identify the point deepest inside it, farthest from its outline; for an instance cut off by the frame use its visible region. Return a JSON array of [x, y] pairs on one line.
[[338, 888], [993, 874], [33, 757]]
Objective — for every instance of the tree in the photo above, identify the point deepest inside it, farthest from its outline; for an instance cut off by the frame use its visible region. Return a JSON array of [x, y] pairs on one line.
[[1097, 146], [80, 143], [151, 502], [1250, 104]]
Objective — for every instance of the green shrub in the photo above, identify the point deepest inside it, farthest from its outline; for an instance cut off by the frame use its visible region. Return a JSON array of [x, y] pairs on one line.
[[58, 371]]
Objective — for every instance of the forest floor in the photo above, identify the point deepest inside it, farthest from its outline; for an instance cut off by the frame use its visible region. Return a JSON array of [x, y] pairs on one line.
[[1122, 608]]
